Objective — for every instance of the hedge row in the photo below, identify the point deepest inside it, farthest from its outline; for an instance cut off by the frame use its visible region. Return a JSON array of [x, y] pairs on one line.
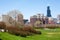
[[24, 31]]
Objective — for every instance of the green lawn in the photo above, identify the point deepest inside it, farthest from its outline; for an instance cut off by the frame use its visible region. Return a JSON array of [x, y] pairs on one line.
[[52, 34]]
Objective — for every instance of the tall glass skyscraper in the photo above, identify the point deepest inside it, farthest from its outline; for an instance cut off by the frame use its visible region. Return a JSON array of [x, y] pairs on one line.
[[48, 11]]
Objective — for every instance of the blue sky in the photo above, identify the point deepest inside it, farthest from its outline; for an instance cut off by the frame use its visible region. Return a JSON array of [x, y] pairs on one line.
[[30, 7]]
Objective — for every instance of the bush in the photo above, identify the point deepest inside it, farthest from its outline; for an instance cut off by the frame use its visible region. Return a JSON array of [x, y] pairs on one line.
[[29, 33], [25, 31], [38, 32], [2, 25], [16, 31], [31, 30], [23, 34]]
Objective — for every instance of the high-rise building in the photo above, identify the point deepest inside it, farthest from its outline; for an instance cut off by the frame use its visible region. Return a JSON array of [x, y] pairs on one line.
[[58, 19], [20, 19], [0, 18], [55, 20], [7, 19], [36, 19], [48, 11], [33, 19]]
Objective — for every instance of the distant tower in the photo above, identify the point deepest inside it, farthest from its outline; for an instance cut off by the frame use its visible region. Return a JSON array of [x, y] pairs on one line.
[[48, 11]]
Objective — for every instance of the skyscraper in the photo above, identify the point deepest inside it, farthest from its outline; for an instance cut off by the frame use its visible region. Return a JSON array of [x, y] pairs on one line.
[[48, 11]]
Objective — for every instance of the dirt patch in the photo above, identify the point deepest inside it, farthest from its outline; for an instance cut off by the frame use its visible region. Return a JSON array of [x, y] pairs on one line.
[[50, 33], [54, 33]]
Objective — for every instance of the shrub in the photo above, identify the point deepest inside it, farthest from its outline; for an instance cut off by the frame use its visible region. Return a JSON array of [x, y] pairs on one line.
[[31, 30], [25, 31], [16, 31], [23, 34], [37, 32], [29, 33], [2, 25]]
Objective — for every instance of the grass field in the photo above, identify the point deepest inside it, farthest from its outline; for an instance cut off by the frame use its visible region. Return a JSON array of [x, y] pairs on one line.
[[52, 34]]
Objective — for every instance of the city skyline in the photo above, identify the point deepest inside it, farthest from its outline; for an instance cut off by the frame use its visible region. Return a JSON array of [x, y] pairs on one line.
[[30, 7]]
